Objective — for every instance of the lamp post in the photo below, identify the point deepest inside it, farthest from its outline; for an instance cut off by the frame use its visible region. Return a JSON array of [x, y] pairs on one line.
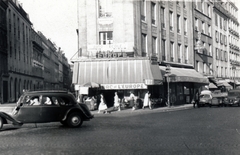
[[167, 74], [234, 70]]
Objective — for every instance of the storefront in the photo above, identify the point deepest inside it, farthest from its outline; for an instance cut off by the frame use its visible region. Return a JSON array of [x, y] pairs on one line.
[[137, 74], [183, 84]]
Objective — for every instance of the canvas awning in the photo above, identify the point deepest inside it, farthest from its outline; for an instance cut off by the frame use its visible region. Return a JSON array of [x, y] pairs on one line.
[[223, 83], [185, 75], [118, 74]]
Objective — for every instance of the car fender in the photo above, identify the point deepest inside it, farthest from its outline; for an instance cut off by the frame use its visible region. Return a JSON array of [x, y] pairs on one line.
[[72, 110], [8, 117]]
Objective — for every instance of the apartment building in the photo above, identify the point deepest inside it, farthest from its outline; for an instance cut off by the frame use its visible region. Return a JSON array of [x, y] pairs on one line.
[[203, 37], [3, 53], [233, 41], [29, 61], [126, 45]]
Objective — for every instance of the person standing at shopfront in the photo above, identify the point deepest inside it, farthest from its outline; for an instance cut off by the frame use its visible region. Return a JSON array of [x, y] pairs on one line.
[[116, 102], [131, 100], [146, 101], [102, 106]]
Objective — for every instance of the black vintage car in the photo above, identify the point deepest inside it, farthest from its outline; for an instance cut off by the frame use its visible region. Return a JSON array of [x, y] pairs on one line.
[[47, 106]]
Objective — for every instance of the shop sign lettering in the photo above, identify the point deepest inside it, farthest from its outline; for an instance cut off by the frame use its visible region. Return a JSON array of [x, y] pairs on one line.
[[125, 86], [109, 54]]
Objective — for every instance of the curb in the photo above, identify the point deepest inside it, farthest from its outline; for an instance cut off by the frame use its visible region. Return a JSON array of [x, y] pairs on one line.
[[147, 110]]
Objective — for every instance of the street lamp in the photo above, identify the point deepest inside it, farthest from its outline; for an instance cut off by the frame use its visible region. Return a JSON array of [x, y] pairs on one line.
[[234, 70], [167, 74]]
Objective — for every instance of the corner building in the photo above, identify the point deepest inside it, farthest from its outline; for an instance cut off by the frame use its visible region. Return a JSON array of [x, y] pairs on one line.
[[126, 45]]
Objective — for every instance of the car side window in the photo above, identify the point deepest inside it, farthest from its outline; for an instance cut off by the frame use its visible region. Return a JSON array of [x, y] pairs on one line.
[[64, 101], [46, 100], [32, 100]]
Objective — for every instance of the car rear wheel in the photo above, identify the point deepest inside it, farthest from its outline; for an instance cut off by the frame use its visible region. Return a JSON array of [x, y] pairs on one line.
[[1, 122], [74, 120]]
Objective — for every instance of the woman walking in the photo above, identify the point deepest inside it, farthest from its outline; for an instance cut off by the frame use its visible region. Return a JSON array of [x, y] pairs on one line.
[[102, 106]]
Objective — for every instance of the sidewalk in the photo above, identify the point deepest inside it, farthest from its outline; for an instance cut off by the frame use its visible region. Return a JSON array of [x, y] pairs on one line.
[[146, 110]]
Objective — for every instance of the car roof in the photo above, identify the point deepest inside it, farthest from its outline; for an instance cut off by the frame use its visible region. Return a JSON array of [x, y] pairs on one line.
[[234, 90], [47, 92]]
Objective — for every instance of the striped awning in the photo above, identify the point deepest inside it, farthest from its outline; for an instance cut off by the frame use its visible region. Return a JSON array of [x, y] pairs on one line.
[[116, 72], [185, 75]]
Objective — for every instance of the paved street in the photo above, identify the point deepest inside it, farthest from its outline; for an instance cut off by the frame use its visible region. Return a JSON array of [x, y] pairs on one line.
[[202, 131]]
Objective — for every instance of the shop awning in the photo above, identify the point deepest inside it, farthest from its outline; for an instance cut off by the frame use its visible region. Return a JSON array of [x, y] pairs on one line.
[[136, 73], [223, 83], [212, 86], [185, 75]]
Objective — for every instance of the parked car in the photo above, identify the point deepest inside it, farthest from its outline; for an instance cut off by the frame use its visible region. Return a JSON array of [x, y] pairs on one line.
[[47, 106], [233, 98], [218, 99], [205, 98]]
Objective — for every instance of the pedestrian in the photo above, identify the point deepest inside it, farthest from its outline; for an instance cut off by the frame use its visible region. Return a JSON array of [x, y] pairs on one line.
[[131, 100], [146, 101], [116, 102], [102, 106]]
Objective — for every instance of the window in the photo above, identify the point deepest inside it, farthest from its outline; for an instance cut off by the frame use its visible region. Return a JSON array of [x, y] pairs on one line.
[[216, 19], [171, 20], [209, 10], [180, 53], [178, 23], [185, 26], [197, 66], [144, 45], [210, 49], [196, 24], [172, 53], [210, 68], [163, 17], [203, 8], [105, 8], [164, 49], [203, 27], [105, 38], [153, 11], [204, 67], [216, 36], [143, 10], [186, 54], [154, 46], [217, 54], [209, 30], [220, 22]]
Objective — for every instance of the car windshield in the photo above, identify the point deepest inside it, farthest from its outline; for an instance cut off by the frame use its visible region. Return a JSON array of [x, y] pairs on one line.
[[233, 93], [205, 96]]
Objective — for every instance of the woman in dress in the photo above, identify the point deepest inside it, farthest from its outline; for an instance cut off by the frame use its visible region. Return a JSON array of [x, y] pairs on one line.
[[116, 102], [102, 106], [146, 101]]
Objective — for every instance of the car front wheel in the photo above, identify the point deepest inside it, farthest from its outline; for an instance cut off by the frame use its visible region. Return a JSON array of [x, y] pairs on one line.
[[74, 120]]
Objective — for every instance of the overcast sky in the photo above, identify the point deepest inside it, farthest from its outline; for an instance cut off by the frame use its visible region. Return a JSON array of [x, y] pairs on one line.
[[57, 20]]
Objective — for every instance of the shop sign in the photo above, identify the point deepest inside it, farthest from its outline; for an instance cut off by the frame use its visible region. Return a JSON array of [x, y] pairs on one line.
[[109, 54], [125, 86]]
